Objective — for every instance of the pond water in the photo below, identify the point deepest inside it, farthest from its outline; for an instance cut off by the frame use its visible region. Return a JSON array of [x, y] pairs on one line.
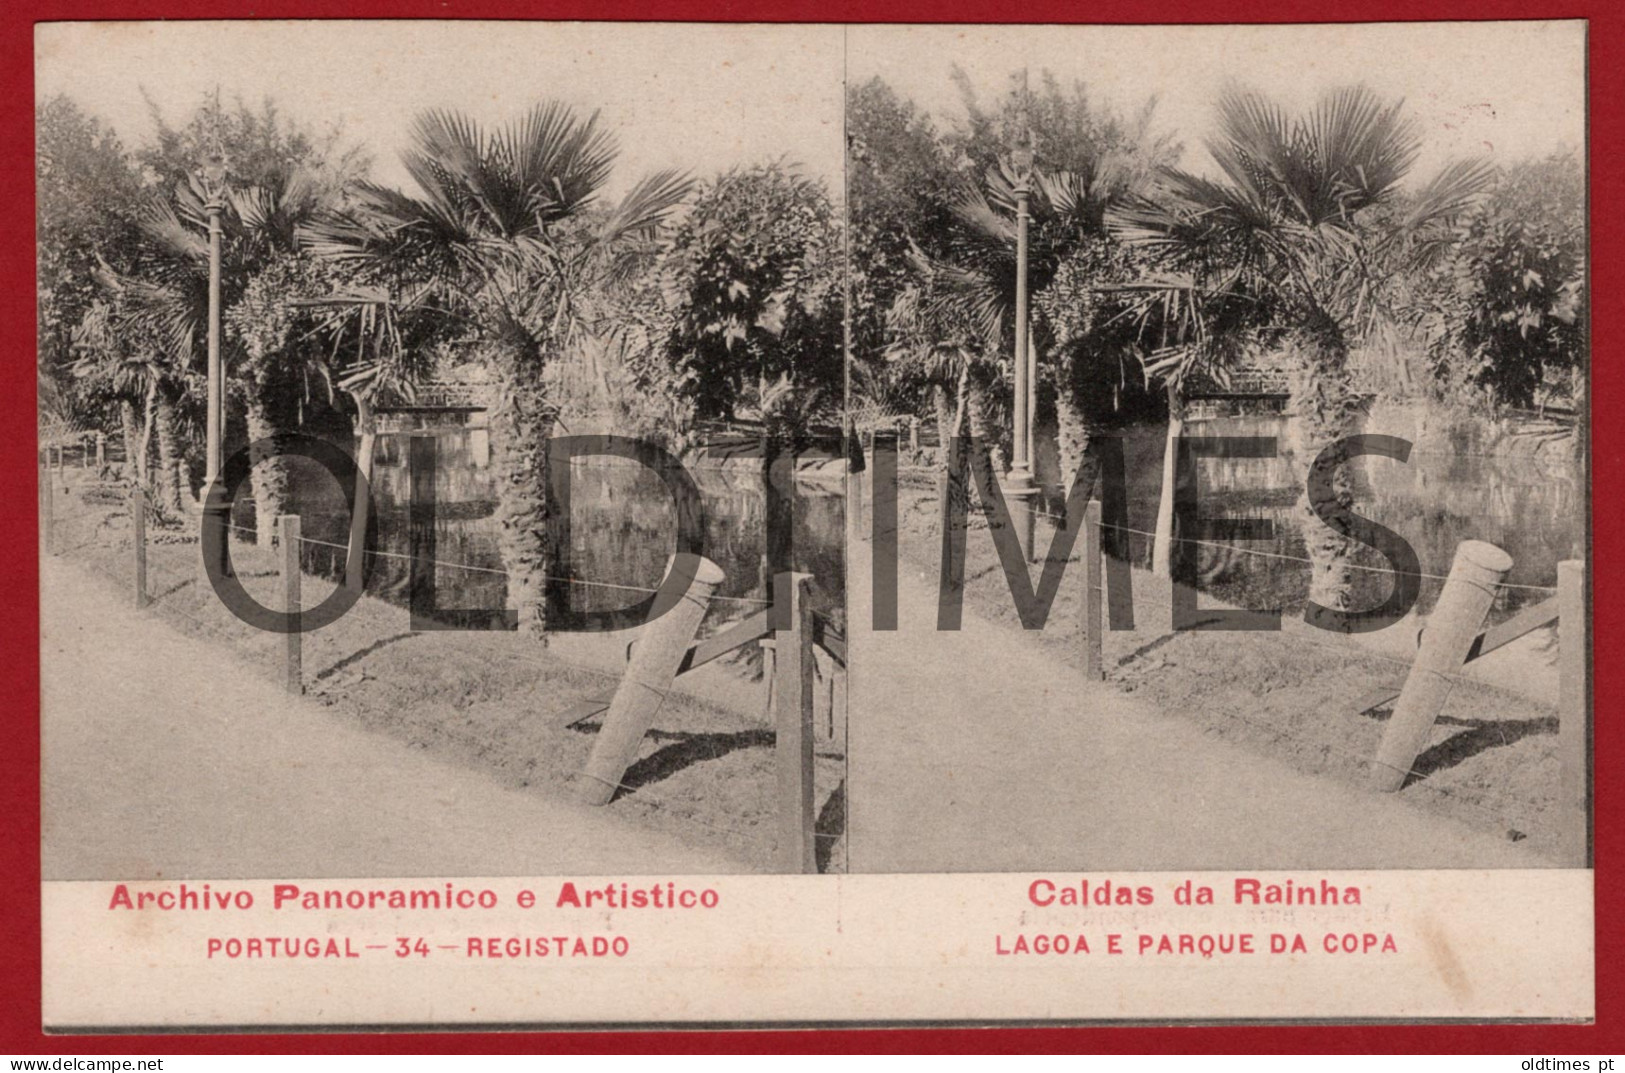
[[1463, 486], [1453, 488], [623, 529]]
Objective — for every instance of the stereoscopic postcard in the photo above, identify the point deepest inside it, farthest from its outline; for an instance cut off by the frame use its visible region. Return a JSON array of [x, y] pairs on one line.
[[570, 524]]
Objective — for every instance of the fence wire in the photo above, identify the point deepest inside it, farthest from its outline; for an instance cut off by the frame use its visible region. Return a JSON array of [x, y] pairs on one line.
[[163, 582], [1061, 521], [1414, 777]]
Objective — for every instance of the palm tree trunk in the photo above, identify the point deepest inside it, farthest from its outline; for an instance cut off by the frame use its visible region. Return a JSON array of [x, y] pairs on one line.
[[170, 459], [1578, 381], [982, 436], [1162, 545], [1324, 409], [521, 424], [943, 407], [135, 465], [144, 443], [952, 490], [269, 477], [1073, 431]]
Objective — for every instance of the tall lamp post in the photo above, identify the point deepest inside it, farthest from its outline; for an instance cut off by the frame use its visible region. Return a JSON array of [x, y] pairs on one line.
[[215, 509], [1020, 489], [214, 188]]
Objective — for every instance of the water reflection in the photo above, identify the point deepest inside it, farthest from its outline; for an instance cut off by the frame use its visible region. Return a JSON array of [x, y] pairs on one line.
[[623, 526], [1534, 508]]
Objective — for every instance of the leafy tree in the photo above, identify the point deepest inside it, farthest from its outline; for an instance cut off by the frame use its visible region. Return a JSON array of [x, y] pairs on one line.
[[1086, 159], [752, 274], [1506, 306], [262, 147], [501, 245], [1293, 227], [87, 199], [900, 186]]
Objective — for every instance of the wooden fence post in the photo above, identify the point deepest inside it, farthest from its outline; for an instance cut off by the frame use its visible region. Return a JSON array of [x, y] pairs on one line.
[[650, 670], [1574, 712], [837, 707], [1475, 576], [793, 726], [47, 506], [854, 484], [1093, 628], [138, 535], [288, 533], [829, 733], [769, 648], [883, 531]]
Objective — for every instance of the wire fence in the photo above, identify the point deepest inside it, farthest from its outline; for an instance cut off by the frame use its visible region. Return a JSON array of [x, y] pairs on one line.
[[753, 601], [80, 525], [1302, 637], [1467, 800], [1415, 777], [1235, 548], [76, 526]]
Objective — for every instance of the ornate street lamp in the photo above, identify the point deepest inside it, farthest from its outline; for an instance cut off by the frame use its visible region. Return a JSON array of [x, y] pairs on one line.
[[214, 191], [212, 177], [1020, 488]]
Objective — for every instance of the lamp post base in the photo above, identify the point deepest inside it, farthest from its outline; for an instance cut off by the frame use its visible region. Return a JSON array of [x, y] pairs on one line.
[[1021, 494]]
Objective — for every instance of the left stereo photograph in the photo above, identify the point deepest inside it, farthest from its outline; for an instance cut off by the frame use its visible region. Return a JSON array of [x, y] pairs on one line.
[[385, 397]]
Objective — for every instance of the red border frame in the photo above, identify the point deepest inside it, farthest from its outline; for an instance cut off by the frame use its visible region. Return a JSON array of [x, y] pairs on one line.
[[19, 645]]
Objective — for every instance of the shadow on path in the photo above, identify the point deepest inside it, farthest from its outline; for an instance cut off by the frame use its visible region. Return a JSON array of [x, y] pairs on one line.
[[1477, 736], [829, 827], [685, 750], [363, 653]]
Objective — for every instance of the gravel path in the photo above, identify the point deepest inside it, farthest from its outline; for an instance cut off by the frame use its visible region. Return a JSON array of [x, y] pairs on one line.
[[978, 751], [165, 758]]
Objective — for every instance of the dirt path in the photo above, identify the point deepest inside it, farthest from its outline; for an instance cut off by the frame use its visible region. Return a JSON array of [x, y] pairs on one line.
[[165, 757], [978, 751]]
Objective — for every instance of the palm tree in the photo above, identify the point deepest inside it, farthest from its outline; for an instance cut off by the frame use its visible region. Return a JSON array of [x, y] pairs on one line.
[[1072, 264], [270, 360], [502, 247], [121, 357], [1301, 225], [947, 327]]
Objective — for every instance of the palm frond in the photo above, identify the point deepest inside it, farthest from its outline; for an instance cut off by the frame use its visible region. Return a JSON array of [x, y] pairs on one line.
[[646, 205], [560, 161]]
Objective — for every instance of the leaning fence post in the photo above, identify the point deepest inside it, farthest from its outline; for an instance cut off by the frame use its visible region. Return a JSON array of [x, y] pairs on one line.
[[793, 725], [1574, 713], [138, 535], [288, 533], [1093, 629], [1475, 575], [650, 670]]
